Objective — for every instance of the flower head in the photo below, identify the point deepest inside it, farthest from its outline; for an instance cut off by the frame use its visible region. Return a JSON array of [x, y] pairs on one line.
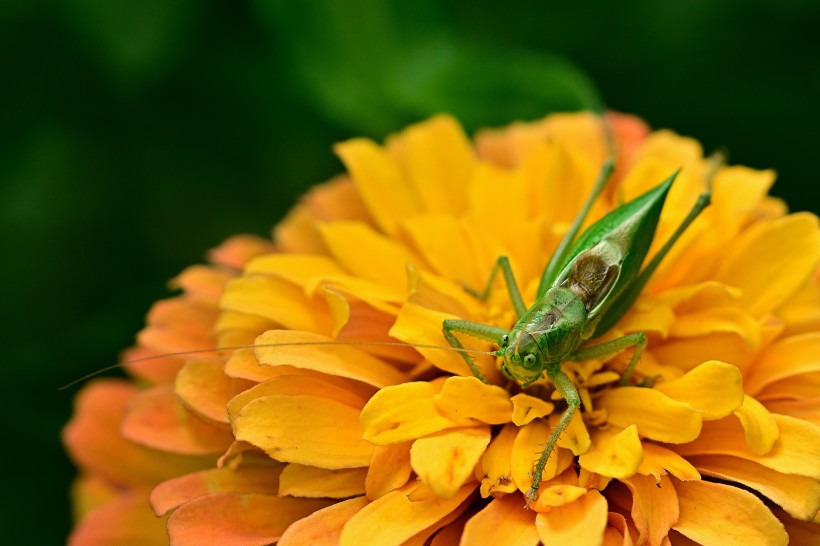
[[386, 439]]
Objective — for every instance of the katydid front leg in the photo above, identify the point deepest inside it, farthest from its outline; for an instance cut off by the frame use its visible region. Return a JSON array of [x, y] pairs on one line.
[[637, 340], [476, 330], [567, 389]]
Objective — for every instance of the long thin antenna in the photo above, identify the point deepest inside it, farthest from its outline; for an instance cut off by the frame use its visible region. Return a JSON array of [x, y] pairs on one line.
[[284, 344]]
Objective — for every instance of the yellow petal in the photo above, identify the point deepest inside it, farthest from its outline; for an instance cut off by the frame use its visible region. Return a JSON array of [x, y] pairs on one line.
[[299, 269], [658, 461], [654, 508], [304, 429], [389, 469], [503, 521], [718, 319], [527, 447], [655, 319], [702, 504], [417, 324], [688, 353], [496, 463], [798, 495], [374, 172], [714, 388], [278, 300], [368, 254], [656, 415], [575, 437], [442, 242], [438, 159], [392, 519], [614, 453], [310, 482], [758, 424], [796, 355], [323, 527], [786, 249], [580, 523], [526, 408], [551, 496], [339, 360], [796, 450], [444, 461], [469, 398], [403, 412]]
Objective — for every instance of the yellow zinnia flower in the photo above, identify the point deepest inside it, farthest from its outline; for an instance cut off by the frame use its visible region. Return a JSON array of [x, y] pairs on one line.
[[390, 444]]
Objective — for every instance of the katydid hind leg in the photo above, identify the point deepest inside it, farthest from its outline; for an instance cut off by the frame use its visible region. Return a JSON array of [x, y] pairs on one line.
[[503, 265], [567, 389], [473, 329], [637, 340]]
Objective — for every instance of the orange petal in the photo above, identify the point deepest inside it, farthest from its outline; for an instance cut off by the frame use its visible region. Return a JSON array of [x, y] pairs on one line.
[[614, 453], [503, 521], [496, 463], [654, 508], [372, 170], [718, 319], [126, 520], [389, 469], [551, 496], [422, 538], [244, 479], [443, 242], [667, 421], [203, 386], [796, 450], [403, 412], [444, 461], [798, 495], [305, 429], [786, 249], [469, 398], [94, 441], [714, 388], [789, 357], [298, 384], [338, 360], [310, 482], [575, 437], [800, 532], [237, 250], [231, 519], [300, 269], [704, 503], [392, 519], [579, 523], [90, 491], [658, 461], [617, 531], [156, 418], [323, 527], [526, 408], [202, 283]]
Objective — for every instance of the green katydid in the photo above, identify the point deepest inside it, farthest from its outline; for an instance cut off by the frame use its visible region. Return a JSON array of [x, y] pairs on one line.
[[585, 289]]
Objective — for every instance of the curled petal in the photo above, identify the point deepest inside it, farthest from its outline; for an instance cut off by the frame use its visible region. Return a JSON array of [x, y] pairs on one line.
[[469, 398], [496, 464], [614, 453], [714, 388], [526, 408], [402, 413], [667, 421], [389, 469], [654, 508], [658, 461]]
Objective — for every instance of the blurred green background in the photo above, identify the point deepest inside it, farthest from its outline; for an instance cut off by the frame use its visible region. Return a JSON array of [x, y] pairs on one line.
[[137, 134]]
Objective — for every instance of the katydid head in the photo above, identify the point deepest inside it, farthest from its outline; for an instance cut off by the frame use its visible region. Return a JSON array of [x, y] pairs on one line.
[[546, 335]]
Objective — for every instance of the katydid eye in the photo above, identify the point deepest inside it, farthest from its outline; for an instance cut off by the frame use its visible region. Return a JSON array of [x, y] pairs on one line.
[[529, 361], [505, 339]]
